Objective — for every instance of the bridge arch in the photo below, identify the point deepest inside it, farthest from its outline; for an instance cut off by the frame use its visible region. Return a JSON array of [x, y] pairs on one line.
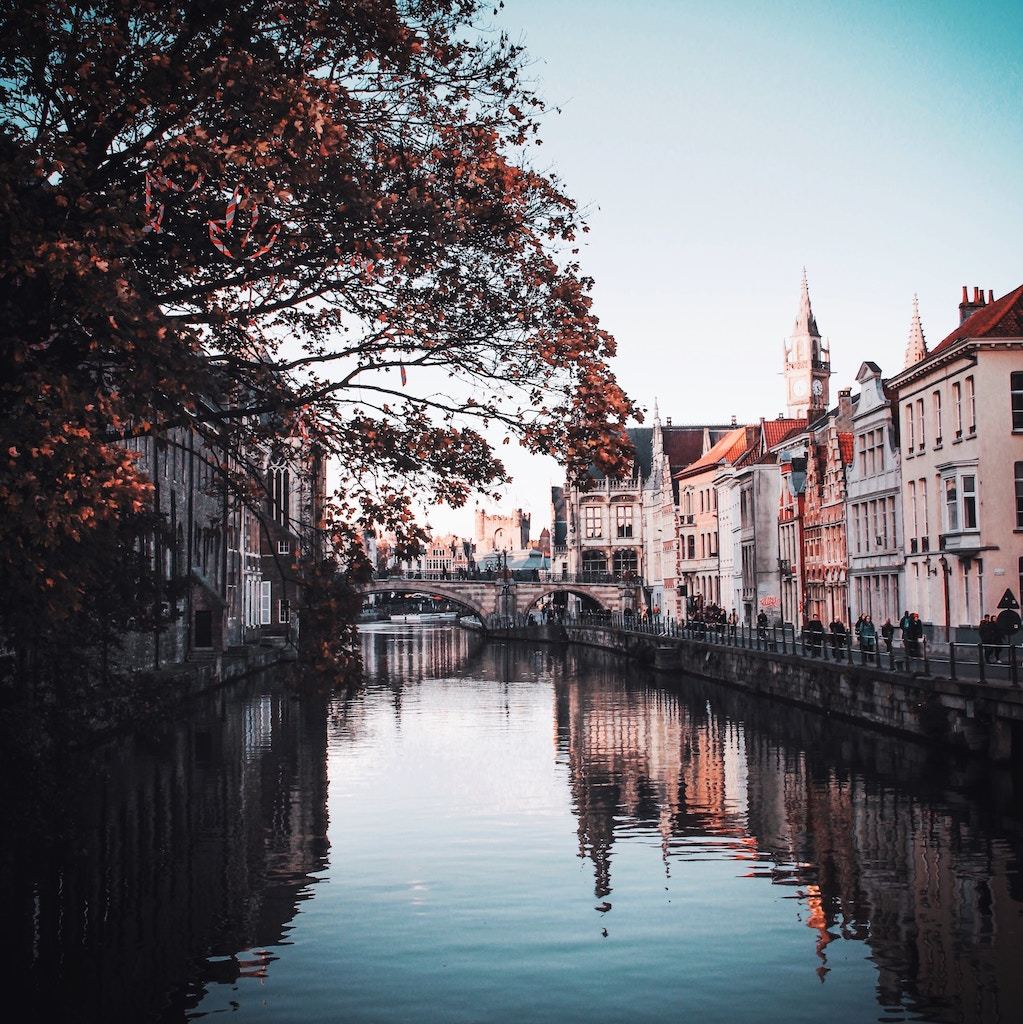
[[536, 595], [428, 588]]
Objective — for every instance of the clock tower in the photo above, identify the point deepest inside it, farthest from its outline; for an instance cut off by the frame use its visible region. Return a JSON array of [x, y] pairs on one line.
[[807, 364]]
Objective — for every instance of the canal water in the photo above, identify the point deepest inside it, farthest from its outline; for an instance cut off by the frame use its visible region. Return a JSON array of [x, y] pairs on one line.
[[502, 833]]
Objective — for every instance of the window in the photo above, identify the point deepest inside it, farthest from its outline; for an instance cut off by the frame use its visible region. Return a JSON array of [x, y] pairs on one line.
[[625, 561], [921, 435], [910, 431], [283, 610], [971, 405], [957, 408], [264, 602], [1016, 384], [969, 502], [623, 520], [914, 515], [960, 497], [691, 546], [283, 547], [278, 485], [1019, 495], [951, 506], [594, 561], [936, 397], [592, 521], [924, 520]]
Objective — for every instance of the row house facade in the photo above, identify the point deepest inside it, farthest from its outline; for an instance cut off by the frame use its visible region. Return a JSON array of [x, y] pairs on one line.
[[874, 516], [224, 565], [907, 495]]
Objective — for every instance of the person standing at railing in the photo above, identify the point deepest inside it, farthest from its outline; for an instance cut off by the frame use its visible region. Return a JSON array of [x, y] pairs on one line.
[[868, 635], [989, 638], [733, 624], [838, 637], [912, 634], [887, 634]]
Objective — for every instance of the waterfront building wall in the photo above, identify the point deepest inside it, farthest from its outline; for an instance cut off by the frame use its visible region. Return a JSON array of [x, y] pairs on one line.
[[961, 442]]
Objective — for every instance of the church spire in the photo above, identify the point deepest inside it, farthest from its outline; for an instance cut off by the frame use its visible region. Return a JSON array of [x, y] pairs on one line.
[[916, 346], [805, 323]]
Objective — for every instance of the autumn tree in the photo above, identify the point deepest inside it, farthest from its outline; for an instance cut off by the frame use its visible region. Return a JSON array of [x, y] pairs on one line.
[[327, 214]]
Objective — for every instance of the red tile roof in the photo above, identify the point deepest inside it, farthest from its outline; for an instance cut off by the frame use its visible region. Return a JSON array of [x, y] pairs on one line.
[[1002, 318], [727, 450], [845, 443], [776, 431]]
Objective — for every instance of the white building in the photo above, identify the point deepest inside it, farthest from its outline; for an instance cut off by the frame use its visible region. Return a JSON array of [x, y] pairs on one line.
[[874, 516]]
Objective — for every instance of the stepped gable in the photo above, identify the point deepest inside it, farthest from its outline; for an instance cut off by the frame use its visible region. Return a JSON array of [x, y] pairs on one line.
[[1002, 318]]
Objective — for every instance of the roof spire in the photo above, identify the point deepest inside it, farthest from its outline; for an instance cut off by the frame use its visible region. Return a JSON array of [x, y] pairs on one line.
[[805, 323], [657, 413], [916, 346]]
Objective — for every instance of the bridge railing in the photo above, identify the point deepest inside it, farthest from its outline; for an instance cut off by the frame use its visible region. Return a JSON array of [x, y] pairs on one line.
[[508, 576]]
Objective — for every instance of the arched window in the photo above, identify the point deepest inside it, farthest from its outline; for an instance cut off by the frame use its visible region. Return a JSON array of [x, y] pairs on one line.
[[278, 488]]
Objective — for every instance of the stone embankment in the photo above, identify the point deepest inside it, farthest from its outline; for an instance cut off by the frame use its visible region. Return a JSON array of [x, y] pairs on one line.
[[984, 718]]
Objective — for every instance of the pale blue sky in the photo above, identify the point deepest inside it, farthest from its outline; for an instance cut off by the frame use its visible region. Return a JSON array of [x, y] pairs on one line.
[[722, 146]]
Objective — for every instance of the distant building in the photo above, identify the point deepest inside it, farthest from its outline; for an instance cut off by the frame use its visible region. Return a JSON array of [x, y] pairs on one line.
[[501, 532]]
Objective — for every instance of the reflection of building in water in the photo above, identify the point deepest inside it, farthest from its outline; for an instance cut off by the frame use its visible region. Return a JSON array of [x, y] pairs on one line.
[[633, 754], [398, 655], [202, 847], [871, 860], [910, 879]]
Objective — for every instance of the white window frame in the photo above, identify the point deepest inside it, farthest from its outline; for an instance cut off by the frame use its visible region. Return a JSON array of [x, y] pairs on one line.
[[623, 521], [593, 522], [265, 587]]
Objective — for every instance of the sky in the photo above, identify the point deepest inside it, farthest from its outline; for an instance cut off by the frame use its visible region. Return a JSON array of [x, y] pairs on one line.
[[722, 147]]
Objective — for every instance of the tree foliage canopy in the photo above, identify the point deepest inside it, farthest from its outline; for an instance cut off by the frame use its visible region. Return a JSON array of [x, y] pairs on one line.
[[325, 209]]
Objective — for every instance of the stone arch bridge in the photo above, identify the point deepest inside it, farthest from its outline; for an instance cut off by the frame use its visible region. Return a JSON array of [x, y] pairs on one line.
[[513, 597]]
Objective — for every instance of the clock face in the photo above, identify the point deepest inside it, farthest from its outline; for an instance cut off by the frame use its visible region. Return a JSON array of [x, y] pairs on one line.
[[799, 388], [818, 388]]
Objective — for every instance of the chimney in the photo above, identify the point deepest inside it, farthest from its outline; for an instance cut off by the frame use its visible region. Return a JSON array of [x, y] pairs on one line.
[[667, 421], [968, 308], [844, 418], [991, 295], [733, 419]]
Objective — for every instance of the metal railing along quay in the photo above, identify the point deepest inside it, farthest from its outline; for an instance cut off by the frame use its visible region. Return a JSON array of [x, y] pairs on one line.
[[984, 663]]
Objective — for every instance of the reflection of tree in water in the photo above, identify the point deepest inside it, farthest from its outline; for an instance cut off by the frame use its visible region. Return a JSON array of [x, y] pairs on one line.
[[181, 858], [857, 824]]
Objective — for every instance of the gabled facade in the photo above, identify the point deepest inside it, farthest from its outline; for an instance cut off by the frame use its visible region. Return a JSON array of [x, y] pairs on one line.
[[698, 528]]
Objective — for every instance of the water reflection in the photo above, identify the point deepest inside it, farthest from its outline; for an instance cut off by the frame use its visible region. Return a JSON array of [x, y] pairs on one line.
[[166, 862], [487, 822]]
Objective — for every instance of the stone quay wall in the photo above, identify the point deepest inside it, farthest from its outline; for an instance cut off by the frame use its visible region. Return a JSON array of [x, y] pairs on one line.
[[980, 718]]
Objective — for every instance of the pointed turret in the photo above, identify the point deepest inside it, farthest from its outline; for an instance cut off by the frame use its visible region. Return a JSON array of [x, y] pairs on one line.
[[805, 323], [916, 346]]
